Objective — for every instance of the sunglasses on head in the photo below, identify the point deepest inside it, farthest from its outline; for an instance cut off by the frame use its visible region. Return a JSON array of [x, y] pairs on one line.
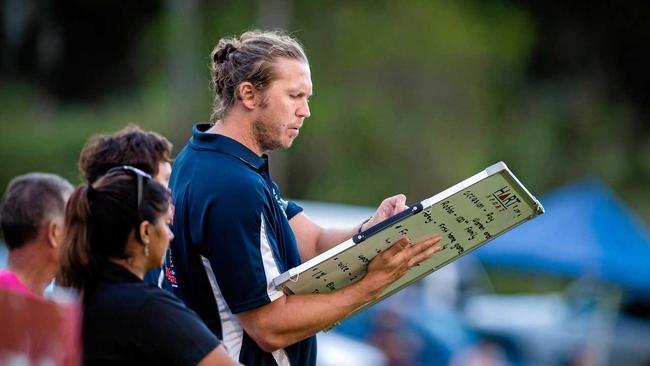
[[138, 173]]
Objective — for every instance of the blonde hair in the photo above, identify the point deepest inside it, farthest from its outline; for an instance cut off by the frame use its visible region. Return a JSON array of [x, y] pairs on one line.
[[248, 57]]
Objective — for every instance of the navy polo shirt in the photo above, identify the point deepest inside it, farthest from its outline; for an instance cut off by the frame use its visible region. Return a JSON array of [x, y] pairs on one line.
[[232, 237]]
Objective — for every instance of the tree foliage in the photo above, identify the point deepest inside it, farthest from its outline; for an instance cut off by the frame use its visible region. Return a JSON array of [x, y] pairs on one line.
[[408, 96]]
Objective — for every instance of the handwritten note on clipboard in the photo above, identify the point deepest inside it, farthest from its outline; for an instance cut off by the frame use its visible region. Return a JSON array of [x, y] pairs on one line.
[[467, 215]]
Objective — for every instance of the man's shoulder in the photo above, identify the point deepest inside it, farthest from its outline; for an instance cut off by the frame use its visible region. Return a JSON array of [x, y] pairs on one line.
[[227, 182], [219, 171], [10, 281], [192, 155], [234, 188]]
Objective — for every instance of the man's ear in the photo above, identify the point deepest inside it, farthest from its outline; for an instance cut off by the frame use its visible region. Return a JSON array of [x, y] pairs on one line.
[[54, 232], [246, 93]]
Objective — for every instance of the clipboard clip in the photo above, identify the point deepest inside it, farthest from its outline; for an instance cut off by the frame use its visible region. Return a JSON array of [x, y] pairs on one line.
[[358, 238]]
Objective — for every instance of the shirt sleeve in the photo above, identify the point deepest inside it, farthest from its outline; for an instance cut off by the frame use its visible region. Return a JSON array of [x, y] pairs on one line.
[[290, 208], [237, 230], [173, 334]]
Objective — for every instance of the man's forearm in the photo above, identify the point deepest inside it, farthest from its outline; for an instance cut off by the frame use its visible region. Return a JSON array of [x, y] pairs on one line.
[[297, 317], [331, 237], [291, 318], [314, 239], [389, 207]]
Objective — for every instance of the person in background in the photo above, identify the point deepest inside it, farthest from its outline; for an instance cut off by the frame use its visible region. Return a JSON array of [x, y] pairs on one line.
[[145, 150], [31, 216], [116, 229]]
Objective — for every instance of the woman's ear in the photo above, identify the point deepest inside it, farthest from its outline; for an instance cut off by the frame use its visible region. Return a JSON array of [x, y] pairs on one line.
[[146, 229]]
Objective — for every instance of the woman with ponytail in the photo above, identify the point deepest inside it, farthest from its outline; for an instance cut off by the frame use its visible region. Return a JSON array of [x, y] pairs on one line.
[[117, 230]]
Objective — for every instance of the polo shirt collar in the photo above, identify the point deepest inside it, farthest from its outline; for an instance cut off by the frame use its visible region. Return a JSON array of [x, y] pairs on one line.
[[215, 142]]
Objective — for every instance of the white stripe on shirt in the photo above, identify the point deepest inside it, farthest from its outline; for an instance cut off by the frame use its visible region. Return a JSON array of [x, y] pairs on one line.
[[271, 271], [232, 332]]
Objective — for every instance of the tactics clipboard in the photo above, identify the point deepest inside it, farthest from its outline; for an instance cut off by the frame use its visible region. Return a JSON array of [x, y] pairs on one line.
[[466, 215]]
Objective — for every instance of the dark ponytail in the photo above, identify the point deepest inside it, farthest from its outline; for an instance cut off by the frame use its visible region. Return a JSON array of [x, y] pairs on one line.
[[99, 220], [75, 257]]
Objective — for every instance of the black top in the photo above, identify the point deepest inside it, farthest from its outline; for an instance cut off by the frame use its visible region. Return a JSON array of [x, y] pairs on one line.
[[129, 322]]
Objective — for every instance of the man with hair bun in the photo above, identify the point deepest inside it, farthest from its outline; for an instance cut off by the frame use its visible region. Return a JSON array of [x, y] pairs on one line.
[[233, 230], [31, 216]]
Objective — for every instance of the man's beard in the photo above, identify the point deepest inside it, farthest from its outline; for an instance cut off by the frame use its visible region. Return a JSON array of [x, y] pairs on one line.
[[265, 136]]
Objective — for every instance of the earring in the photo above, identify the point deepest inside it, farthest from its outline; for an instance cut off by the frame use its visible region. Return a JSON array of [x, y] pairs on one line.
[[146, 248]]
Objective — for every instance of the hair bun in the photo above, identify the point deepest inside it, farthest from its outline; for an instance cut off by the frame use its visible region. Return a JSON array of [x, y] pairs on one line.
[[222, 54]]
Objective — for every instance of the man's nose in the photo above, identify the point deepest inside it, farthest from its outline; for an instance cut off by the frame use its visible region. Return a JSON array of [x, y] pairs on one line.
[[303, 111]]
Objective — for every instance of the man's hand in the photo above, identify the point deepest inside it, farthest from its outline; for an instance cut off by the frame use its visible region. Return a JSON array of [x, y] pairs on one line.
[[289, 319], [313, 239], [389, 207], [393, 263]]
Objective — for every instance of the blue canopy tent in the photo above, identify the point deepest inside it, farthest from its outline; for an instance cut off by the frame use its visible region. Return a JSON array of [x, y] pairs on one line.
[[586, 231]]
